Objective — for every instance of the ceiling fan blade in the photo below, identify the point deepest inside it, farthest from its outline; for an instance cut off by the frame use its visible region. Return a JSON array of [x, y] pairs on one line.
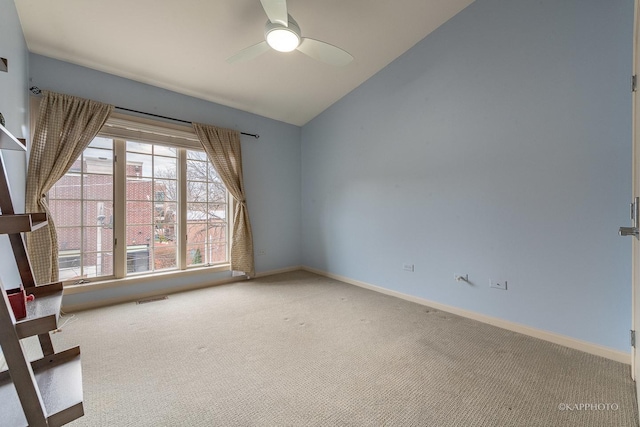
[[249, 53], [325, 52], [276, 11]]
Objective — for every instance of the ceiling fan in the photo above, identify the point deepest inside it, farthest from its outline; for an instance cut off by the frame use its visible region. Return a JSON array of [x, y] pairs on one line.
[[282, 33]]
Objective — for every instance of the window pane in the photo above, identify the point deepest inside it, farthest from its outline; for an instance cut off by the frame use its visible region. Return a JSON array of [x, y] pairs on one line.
[[70, 272], [197, 212], [217, 192], [165, 232], [139, 212], [217, 243], [97, 264], [69, 238], [139, 165], [98, 187], [195, 254], [209, 244], [98, 213], [165, 190], [98, 239], [138, 258], [68, 187], [139, 189], [140, 235], [70, 263], [165, 256], [196, 191], [196, 232], [165, 167], [165, 212], [66, 212], [97, 161], [196, 171], [165, 221], [217, 211]]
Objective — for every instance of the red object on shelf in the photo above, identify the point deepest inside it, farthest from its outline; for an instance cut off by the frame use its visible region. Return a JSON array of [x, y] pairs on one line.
[[18, 300]]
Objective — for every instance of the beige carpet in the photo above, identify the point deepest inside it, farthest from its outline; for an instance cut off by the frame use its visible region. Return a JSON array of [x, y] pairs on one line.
[[298, 349]]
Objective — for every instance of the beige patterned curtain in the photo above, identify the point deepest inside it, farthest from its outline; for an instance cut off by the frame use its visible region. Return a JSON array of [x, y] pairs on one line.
[[64, 128], [223, 149]]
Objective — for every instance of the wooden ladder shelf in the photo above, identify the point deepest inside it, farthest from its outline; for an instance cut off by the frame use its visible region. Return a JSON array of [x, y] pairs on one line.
[[47, 391]]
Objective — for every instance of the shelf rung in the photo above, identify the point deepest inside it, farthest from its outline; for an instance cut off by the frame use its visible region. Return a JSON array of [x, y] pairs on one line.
[[10, 142], [59, 379], [43, 312], [19, 223]]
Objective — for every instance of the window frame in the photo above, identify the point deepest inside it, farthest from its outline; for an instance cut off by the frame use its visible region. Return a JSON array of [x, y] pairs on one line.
[[122, 128]]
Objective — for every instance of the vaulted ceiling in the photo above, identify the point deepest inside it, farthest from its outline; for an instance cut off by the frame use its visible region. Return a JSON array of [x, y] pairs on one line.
[[183, 45]]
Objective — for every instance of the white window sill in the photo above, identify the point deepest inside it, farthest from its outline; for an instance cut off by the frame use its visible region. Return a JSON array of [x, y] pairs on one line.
[[71, 288]]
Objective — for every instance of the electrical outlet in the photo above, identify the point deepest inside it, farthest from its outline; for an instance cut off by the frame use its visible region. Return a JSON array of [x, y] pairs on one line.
[[407, 267], [502, 285], [261, 252]]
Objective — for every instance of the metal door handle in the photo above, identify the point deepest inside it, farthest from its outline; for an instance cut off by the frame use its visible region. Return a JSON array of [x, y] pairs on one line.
[[635, 220], [628, 231]]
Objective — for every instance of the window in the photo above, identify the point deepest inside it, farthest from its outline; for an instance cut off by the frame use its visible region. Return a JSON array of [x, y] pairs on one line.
[[159, 189], [206, 212], [150, 225], [81, 205]]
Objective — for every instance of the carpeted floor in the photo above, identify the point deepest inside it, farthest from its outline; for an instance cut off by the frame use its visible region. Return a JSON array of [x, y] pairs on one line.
[[298, 349]]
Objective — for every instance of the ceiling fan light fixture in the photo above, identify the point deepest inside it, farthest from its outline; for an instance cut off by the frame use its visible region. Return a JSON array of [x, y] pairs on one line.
[[283, 39]]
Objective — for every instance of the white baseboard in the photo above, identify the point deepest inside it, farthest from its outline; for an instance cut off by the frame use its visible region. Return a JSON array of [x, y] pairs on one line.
[[279, 271], [587, 347]]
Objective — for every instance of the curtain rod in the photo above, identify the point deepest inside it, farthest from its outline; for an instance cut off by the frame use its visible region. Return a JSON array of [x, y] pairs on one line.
[[36, 91]]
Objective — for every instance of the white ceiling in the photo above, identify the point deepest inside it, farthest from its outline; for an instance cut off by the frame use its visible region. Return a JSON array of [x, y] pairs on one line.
[[183, 45]]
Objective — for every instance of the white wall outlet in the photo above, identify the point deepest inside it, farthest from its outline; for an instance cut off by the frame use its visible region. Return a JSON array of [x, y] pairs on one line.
[[407, 267], [261, 252], [499, 284]]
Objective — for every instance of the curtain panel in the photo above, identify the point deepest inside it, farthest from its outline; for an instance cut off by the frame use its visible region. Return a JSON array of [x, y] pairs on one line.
[[223, 149], [64, 127]]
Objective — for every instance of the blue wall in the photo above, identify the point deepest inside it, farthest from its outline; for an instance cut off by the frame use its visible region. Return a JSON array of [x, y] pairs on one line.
[[498, 147], [14, 102], [271, 163]]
